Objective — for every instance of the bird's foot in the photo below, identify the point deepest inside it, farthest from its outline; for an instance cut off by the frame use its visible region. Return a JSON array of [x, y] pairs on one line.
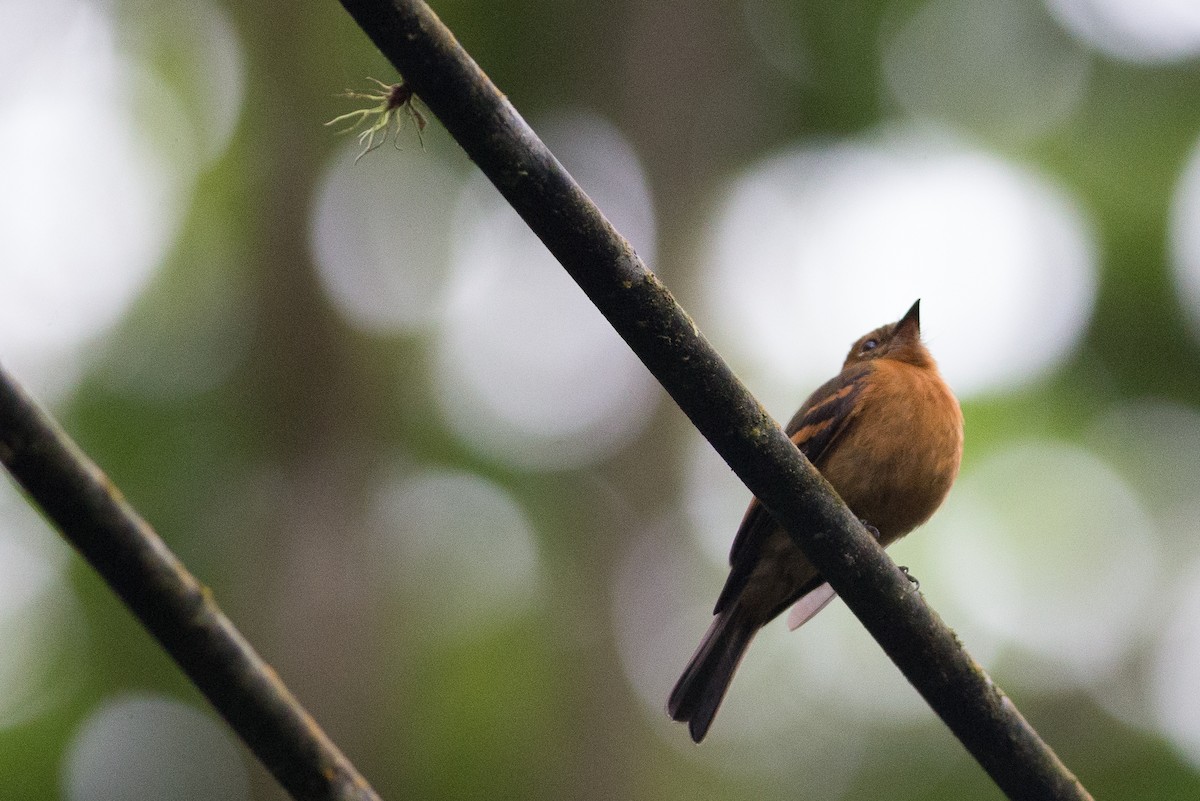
[[910, 577]]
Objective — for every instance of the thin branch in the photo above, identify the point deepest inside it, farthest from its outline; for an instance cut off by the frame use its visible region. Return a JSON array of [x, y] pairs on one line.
[[643, 312], [175, 608]]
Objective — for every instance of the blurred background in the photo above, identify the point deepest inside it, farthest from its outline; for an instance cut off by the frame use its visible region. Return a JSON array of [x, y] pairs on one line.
[[435, 490]]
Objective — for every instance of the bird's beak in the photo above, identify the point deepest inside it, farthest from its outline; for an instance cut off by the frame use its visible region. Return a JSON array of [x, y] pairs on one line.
[[911, 319]]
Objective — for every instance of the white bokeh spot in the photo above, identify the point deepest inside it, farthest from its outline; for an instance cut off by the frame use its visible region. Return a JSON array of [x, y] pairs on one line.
[[381, 235], [463, 543], [1174, 690], [526, 369], [819, 244], [38, 615], [1141, 31], [1049, 550], [1184, 237], [996, 67], [97, 157], [145, 746]]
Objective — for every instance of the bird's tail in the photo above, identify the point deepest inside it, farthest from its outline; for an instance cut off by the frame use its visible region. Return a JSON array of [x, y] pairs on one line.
[[699, 691]]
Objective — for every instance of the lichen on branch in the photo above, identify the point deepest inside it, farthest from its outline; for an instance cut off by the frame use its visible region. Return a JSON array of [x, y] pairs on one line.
[[392, 105]]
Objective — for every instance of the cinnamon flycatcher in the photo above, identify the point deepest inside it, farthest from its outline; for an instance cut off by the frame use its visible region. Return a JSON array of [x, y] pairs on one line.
[[887, 433]]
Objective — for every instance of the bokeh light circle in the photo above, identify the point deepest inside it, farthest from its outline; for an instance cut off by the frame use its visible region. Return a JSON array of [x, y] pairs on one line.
[[145, 746], [1155, 445], [1143, 31], [96, 172], [460, 544], [192, 46], [526, 370], [819, 244], [381, 235], [996, 67], [1175, 692], [1044, 545], [715, 500], [39, 619], [1184, 236]]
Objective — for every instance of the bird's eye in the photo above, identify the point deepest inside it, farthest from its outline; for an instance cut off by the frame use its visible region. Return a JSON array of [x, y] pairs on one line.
[[869, 345]]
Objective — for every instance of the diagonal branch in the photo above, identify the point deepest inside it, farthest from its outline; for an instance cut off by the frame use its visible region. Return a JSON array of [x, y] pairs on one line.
[[176, 608], [643, 312]]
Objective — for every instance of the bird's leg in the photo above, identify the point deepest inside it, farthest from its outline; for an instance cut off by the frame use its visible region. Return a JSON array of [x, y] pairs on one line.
[[875, 533]]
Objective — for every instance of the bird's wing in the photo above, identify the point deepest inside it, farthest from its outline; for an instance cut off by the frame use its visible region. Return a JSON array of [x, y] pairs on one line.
[[823, 418], [825, 415]]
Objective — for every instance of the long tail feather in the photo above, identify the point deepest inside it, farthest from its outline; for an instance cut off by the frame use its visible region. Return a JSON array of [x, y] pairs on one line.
[[699, 691]]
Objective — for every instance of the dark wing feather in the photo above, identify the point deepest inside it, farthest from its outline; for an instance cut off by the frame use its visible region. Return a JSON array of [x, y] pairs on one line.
[[823, 418]]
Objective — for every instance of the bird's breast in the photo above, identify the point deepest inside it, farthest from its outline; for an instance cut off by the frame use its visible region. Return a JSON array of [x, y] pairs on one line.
[[895, 464]]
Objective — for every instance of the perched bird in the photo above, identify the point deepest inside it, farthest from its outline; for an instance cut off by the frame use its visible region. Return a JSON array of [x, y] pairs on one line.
[[887, 433]]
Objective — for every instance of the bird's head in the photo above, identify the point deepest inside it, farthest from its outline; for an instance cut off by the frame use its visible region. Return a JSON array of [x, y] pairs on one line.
[[900, 341]]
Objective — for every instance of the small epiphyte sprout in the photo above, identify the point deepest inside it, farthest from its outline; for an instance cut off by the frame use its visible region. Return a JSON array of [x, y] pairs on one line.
[[392, 104]]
